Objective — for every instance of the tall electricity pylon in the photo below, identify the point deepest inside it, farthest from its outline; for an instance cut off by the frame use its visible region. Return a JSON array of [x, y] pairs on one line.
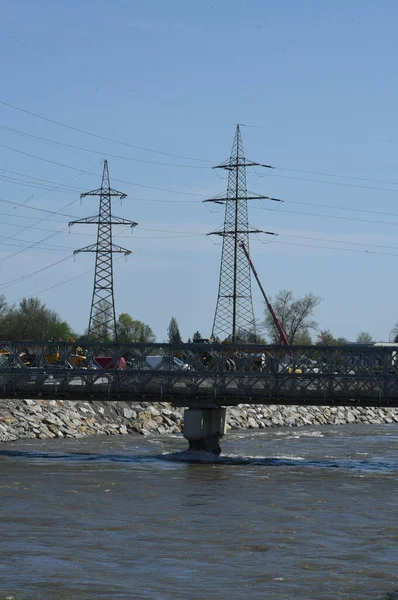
[[102, 323], [234, 317]]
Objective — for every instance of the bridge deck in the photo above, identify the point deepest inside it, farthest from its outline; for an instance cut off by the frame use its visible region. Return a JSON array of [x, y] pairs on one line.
[[202, 374]]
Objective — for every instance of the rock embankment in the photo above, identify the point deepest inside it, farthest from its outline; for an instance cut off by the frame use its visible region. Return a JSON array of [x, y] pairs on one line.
[[47, 419]]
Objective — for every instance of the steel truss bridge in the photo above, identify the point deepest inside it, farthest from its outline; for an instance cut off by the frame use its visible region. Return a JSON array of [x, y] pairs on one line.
[[206, 375]]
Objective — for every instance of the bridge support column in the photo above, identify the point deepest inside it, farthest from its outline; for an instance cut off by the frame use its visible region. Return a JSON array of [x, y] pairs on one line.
[[204, 427]]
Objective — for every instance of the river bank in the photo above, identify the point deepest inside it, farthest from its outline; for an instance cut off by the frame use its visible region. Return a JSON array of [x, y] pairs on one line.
[[47, 419]]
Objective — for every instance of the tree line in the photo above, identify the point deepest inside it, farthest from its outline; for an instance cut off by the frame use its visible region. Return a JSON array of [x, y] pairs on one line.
[[31, 319]]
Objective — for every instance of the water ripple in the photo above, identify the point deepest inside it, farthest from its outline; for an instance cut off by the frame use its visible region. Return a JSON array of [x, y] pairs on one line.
[[208, 458]]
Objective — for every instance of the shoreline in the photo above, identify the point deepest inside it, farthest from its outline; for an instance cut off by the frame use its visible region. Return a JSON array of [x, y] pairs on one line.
[[50, 419]]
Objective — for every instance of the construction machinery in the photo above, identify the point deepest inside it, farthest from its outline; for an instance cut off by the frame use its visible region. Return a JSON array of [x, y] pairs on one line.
[[277, 323]]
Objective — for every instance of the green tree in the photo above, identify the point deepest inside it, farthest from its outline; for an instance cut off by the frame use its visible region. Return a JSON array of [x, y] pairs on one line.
[[246, 337], [174, 332], [364, 337], [294, 315], [103, 318], [4, 311], [325, 338], [32, 320], [133, 330], [303, 338], [4, 308], [197, 336]]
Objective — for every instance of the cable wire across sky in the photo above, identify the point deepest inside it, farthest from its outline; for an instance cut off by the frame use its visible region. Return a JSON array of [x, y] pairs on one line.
[[8, 176]]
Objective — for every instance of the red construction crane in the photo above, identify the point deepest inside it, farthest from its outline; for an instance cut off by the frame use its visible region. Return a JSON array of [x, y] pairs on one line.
[[277, 323]]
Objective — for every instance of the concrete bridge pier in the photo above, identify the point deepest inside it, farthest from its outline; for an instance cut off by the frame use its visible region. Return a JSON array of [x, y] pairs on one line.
[[204, 427]]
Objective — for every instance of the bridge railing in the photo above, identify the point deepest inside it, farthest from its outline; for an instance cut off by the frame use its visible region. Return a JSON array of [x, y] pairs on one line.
[[220, 373]]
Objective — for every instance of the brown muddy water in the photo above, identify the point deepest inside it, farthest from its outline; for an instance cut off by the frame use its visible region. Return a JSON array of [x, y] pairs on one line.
[[303, 514]]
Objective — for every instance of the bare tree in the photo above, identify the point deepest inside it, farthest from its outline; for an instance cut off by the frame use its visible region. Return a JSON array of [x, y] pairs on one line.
[[364, 337], [294, 315]]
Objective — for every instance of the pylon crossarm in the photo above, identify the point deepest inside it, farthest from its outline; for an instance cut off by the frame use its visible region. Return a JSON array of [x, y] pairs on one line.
[[104, 192], [120, 221], [120, 250], [92, 248], [85, 220], [234, 231], [97, 249], [95, 220], [217, 200], [229, 166]]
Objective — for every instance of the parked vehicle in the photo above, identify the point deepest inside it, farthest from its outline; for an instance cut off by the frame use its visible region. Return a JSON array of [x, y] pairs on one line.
[[106, 362], [163, 363]]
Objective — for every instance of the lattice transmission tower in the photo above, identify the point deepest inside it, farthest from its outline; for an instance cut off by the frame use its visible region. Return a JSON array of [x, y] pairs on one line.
[[102, 323], [234, 317]]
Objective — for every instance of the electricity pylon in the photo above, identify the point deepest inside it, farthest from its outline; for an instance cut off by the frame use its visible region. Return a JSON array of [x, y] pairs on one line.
[[234, 317], [102, 323]]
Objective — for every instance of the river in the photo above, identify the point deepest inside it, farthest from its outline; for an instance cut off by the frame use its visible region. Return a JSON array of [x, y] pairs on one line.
[[301, 514]]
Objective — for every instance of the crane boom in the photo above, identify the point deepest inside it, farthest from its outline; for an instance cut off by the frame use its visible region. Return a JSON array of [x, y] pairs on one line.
[[277, 323]]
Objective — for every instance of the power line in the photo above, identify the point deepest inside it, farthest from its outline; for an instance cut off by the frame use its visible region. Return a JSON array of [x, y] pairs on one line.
[[339, 176], [63, 282], [46, 247], [128, 158], [357, 210], [181, 234], [367, 244], [365, 251], [334, 248], [49, 212], [376, 188], [174, 155], [9, 256], [35, 185], [96, 75], [81, 171], [13, 254], [35, 244], [295, 212], [56, 285], [72, 147], [363, 187], [33, 273], [178, 156], [72, 187], [100, 137], [37, 222], [41, 270]]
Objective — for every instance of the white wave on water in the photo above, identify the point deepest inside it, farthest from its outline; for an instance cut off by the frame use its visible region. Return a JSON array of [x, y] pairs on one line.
[[288, 457], [311, 434], [299, 436], [196, 456]]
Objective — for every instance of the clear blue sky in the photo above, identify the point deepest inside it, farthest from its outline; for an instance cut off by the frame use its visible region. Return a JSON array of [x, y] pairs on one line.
[[314, 80]]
